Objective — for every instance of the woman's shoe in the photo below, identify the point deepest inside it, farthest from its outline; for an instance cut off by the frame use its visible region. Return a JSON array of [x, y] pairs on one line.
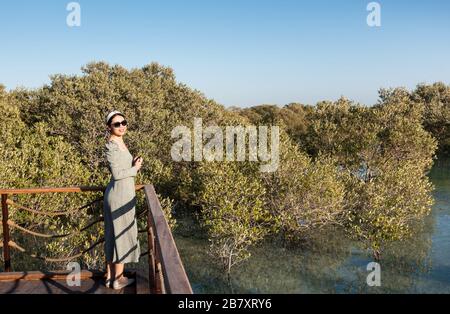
[[122, 282], [108, 282]]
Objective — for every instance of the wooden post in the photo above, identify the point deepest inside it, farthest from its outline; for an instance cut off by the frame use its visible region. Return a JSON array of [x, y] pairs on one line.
[[6, 254], [162, 287], [151, 256], [105, 260], [159, 283]]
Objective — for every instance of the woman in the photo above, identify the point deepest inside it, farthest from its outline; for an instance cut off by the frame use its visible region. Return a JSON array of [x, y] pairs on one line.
[[121, 243]]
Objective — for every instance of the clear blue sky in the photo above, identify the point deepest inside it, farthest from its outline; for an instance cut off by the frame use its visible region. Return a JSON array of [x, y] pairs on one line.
[[238, 52]]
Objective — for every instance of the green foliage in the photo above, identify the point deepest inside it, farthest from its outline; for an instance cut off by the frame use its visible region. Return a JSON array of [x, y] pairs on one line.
[[436, 120], [295, 117], [378, 147], [167, 207], [240, 205], [32, 158], [233, 212], [304, 195], [388, 207]]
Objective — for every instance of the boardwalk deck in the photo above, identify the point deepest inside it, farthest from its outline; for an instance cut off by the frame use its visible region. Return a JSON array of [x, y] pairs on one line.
[[55, 283]]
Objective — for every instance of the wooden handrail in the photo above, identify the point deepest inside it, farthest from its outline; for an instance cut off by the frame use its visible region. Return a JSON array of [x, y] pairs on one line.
[[173, 272], [166, 271]]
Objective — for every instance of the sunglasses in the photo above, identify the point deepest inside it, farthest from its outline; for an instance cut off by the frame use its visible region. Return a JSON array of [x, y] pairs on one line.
[[117, 124]]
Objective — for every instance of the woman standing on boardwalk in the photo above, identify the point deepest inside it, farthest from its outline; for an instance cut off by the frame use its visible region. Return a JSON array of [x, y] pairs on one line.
[[121, 242]]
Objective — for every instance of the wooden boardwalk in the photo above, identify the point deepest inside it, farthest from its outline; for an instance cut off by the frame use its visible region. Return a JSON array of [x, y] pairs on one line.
[[164, 273], [90, 283]]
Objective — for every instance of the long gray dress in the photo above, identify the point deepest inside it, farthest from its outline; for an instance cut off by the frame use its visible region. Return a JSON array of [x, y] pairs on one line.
[[121, 242]]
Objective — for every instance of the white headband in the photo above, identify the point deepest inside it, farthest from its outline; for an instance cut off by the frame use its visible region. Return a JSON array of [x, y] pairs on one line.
[[111, 114]]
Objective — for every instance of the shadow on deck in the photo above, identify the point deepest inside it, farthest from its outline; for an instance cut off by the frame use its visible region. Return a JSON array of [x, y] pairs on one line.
[[57, 283]]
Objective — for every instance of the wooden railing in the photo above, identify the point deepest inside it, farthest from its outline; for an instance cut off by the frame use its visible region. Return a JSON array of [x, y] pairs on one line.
[[165, 269]]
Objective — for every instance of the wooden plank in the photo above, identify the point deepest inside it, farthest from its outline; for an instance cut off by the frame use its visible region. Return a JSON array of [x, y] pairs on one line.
[[93, 285], [19, 286], [55, 275], [25, 286], [58, 190], [159, 272], [142, 282], [151, 255], [39, 275], [51, 286], [6, 249], [176, 280]]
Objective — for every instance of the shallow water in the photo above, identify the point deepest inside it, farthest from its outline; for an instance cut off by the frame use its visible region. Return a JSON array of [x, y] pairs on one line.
[[333, 264]]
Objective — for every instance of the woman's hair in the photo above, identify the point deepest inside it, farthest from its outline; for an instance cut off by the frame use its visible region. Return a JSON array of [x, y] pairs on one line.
[[112, 117]]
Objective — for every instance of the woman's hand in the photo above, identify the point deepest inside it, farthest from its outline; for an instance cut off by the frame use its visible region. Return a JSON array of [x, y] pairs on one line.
[[138, 162]]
